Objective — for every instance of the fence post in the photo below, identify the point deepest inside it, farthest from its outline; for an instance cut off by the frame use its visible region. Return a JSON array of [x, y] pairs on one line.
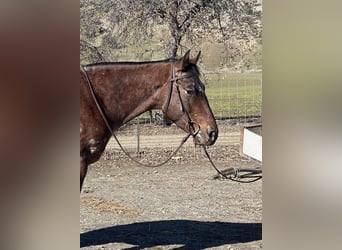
[[138, 134]]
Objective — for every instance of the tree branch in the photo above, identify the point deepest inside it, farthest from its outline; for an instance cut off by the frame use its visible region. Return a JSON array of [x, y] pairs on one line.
[[192, 13]]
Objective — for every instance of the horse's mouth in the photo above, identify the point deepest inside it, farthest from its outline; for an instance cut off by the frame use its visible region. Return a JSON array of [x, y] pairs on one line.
[[202, 135], [201, 140]]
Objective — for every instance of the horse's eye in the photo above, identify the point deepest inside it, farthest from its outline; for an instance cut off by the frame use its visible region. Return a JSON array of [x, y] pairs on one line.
[[189, 91]]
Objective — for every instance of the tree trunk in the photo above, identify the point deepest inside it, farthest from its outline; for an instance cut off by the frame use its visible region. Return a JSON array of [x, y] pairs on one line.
[[174, 45], [174, 28]]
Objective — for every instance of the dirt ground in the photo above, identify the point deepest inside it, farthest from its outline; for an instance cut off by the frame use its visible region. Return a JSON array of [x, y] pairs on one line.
[[176, 206]]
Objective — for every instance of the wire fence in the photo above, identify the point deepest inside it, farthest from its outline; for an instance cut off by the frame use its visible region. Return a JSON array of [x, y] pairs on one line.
[[235, 96]]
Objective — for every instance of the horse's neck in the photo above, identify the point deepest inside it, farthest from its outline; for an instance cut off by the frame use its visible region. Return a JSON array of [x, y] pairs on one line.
[[135, 91]]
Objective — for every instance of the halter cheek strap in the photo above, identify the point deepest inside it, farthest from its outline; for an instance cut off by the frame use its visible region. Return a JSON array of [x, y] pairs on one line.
[[173, 79], [192, 127]]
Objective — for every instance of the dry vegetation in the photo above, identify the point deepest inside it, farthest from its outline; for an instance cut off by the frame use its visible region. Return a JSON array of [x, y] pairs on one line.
[[227, 31]]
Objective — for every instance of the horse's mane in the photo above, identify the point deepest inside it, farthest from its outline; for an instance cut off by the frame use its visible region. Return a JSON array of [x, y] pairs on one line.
[[171, 59], [132, 62]]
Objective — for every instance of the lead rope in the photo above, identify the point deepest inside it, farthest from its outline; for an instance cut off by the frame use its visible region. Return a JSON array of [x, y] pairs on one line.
[[233, 174], [104, 117]]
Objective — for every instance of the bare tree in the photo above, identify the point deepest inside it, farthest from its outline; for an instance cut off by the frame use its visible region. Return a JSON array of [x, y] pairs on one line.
[[110, 24]]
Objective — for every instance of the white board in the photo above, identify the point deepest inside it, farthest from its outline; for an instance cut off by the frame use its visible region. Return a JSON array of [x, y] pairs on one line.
[[252, 144]]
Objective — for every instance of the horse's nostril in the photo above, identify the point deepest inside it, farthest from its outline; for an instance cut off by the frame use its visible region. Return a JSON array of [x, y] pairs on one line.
[[213, 135]]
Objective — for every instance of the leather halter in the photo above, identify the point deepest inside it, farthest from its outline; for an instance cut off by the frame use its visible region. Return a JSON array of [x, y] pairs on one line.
[[192, 127]]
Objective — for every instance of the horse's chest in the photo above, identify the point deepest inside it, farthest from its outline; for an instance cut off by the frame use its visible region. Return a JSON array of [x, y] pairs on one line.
[[95, 146], [93, 142]]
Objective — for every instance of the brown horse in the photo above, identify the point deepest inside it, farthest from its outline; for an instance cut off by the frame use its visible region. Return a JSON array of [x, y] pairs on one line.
[[125, 90]]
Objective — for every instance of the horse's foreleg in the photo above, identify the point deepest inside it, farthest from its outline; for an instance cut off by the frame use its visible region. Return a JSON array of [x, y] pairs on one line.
[[83, 172]]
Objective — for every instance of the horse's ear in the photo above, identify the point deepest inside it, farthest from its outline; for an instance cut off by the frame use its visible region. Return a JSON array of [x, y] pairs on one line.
[[184, 61], [195, 59]]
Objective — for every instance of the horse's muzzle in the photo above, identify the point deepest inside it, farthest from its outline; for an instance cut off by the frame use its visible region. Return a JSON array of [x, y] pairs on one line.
[[213, 134], [207, 138]]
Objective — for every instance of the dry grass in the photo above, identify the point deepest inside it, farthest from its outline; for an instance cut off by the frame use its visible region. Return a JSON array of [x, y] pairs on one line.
[[107, 206]]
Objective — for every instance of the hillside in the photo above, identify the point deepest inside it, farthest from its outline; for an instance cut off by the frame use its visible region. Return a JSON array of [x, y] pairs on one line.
[[102, 39]]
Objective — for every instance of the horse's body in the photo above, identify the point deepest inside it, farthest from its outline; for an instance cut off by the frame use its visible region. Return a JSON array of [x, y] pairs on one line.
[[125, 90]]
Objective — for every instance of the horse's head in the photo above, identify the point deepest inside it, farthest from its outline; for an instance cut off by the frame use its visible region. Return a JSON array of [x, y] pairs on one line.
[[187, 104]]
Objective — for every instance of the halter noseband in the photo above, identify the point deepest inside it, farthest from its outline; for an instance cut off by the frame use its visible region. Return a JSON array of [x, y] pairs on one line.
[[192, 127]]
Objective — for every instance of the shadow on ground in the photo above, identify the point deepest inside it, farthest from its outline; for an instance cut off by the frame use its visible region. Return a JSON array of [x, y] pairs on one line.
[[190, 234]]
